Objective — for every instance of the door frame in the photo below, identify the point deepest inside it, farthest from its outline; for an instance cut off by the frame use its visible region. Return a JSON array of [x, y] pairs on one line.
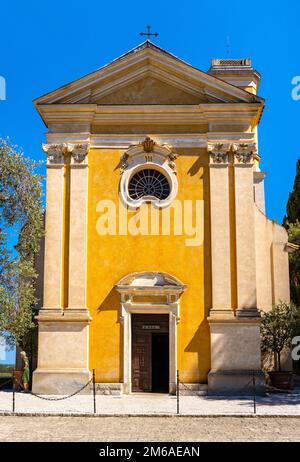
[[128, 308], [137, 321]]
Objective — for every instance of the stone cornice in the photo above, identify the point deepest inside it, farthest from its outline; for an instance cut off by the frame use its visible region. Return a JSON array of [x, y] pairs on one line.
[[123, 141], [94, 114]]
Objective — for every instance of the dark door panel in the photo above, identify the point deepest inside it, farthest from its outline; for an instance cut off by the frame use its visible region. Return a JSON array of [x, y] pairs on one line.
[[150, 336]]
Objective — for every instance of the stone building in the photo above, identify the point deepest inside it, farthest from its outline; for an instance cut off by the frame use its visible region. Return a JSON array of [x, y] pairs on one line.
[[158, 253]]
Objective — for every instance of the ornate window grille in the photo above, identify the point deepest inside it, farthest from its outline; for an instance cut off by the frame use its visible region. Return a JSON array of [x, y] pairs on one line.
[[149, 182]]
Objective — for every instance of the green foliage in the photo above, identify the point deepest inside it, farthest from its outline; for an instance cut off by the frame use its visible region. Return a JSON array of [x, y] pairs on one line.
[[21, 210], [292, 223], [294, 261], [278, 327], [293, 204]]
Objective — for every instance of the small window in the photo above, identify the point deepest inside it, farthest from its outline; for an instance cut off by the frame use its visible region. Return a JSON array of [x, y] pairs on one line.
[[149, 182]]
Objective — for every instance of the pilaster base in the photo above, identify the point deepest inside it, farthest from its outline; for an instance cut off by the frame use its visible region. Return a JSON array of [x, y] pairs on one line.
[[60, 382], [235, 356], [63, 352], [236, 382]]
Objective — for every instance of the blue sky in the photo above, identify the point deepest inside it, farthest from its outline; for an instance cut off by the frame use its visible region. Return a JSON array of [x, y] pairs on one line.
[[47, 44]]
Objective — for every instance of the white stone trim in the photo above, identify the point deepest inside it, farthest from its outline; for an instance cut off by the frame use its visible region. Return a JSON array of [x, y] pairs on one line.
[[123, 141], [159, 158], [127, 308]]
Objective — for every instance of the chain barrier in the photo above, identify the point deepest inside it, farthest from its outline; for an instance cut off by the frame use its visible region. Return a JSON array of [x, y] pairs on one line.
[[2, 384], [62, 397], [13, 380], [247, 386]]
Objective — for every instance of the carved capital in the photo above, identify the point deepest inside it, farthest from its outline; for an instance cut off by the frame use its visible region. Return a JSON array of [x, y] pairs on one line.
[[244, 153], [218, 153], [78, 151], [55, 152]]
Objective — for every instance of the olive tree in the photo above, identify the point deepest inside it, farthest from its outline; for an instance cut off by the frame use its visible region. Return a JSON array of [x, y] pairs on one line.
[[21, 215]]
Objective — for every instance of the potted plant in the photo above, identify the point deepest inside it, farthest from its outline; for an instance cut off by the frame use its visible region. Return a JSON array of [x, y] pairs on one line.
[[278, 327]]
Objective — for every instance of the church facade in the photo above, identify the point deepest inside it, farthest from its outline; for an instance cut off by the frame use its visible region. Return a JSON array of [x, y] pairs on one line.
[[158, 253]]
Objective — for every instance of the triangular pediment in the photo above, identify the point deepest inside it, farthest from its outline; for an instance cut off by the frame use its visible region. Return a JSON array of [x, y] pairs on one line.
[[147, 75], [149, 90]]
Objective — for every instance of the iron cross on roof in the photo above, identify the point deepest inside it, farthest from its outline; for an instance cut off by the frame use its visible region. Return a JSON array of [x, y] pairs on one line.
[[148, 33]]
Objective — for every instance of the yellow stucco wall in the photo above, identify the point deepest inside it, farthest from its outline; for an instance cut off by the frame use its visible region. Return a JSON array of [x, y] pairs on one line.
[[112, 257]]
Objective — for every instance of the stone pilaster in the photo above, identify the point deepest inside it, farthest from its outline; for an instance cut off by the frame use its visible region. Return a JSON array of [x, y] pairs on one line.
[[64, 331], [78, 227], [245, 229], [235, 341], [53, 277], [220, 230]]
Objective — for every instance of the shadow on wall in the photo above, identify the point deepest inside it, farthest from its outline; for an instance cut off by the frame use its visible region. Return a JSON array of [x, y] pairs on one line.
[[196, 345], [112, 303], [197, 165]]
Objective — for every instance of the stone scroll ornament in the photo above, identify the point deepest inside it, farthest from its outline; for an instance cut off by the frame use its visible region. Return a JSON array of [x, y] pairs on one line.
[[55, 152], [244, 153], [78, 152], [148, 146], [218, 153], [124, 162]]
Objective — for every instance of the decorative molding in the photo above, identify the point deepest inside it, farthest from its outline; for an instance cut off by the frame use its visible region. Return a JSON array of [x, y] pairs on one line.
[[244, 153], [148, 144], [149, 59], [78, 151], [107, 115], [55, 152], [124, 162], [218, 153], [124, 141], [148, 154], [150, 283]]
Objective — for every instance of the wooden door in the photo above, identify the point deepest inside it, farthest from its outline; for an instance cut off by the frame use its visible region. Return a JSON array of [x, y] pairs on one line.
[[143, 326], [141, 361]]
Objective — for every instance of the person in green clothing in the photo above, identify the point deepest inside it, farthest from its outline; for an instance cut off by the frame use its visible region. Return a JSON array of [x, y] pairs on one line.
[[25, 376]]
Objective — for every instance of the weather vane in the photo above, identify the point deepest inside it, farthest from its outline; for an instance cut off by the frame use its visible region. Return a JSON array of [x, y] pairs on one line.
[[148, 33]]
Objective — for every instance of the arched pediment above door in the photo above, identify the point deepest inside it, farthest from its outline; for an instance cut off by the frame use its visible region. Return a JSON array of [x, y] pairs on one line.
[[150, 283]]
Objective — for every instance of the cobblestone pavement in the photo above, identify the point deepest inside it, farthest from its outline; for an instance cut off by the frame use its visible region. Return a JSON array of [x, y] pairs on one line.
[[154, 404], [63, 429]]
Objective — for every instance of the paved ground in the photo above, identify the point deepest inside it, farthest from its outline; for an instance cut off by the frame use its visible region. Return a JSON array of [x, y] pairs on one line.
[[154, 404], [18, 428]]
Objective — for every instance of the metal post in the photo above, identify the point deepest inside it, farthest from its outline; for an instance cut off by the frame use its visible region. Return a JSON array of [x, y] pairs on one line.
[[94, 391], [254, 394], [177, 390], [14, 393]]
